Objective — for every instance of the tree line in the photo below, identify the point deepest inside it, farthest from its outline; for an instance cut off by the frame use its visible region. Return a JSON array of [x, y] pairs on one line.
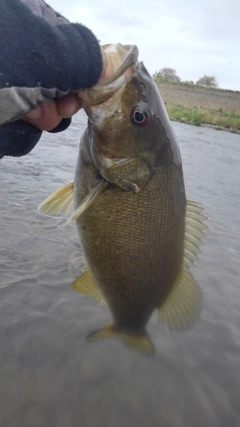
[[170, 75]]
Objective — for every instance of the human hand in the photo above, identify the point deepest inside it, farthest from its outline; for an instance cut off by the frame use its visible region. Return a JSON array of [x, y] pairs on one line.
[[68, 58], [48, 115]]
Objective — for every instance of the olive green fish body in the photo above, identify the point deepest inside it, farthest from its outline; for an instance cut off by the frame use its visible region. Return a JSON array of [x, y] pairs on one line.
[[138, 233], [133, 241]]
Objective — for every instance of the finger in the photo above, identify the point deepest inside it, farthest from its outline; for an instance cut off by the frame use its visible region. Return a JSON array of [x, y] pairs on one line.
[[68, 105], [45, 117]]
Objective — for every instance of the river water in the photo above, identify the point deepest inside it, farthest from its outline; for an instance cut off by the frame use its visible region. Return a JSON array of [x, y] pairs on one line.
[[49, 374]]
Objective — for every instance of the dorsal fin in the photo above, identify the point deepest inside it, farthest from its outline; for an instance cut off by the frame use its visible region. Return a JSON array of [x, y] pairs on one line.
[[183, 305], [194, 228]]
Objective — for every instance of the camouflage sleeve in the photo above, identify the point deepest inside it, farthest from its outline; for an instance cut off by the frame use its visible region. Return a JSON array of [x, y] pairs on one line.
[[42, 56]]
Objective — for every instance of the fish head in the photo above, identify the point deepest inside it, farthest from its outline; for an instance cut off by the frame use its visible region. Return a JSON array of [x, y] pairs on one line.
[[127, 117]]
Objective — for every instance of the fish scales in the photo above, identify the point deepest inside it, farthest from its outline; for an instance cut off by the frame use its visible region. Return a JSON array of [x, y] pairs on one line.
[[141, 247], [138, 233]]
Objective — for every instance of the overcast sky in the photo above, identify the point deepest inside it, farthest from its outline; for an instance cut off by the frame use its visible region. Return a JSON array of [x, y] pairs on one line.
[[195, 37]]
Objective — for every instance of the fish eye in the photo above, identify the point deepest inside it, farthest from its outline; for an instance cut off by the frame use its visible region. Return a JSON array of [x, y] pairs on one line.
[[139, 117]]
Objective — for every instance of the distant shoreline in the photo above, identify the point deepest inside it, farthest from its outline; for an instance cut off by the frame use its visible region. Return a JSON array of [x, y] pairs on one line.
[[200, 106]]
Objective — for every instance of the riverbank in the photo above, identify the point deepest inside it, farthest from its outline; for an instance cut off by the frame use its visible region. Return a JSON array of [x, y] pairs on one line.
[[202, 106]]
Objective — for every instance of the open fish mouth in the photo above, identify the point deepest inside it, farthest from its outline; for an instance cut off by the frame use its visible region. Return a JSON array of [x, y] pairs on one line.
[[126, 56]]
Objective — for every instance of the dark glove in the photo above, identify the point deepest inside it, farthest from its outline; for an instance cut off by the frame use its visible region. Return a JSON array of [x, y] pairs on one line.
[[39, 61], [18, 138]]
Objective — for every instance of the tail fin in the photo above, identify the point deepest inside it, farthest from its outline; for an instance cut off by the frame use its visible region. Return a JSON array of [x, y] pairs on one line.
[[140, 342]]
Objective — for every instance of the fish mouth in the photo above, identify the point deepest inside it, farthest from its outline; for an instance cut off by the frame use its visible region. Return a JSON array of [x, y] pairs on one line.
[[125, 56]]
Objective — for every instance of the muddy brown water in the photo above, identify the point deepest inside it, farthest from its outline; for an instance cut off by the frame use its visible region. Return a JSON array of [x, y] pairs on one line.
[[49, 374]]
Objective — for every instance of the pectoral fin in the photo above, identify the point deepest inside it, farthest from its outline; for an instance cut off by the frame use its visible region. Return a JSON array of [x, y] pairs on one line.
[[88, 201], [86, 285], [59, 203], [140, 342]]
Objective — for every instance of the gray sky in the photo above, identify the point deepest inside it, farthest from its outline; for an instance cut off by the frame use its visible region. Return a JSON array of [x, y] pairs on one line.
[[195, 37]]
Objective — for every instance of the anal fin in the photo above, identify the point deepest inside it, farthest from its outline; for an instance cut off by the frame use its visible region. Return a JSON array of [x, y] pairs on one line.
[[86, 285]]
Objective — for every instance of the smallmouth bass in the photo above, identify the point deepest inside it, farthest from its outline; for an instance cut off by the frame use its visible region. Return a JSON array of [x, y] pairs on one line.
[[138, 232]]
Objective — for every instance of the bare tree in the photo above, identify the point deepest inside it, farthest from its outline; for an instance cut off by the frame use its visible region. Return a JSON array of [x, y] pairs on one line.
[[168, 74], [209, 81]]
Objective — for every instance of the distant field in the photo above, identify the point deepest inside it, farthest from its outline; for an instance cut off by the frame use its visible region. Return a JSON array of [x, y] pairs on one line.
[[197, 105]]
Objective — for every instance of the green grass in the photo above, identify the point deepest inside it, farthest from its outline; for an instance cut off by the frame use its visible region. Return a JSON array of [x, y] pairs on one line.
[[199, 115]]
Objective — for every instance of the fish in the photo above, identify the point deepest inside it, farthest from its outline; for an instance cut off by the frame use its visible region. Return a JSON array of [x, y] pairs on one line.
[[138, 232]]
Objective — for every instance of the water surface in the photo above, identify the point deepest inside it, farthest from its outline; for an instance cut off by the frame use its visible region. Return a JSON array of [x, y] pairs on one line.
[[49, 374]]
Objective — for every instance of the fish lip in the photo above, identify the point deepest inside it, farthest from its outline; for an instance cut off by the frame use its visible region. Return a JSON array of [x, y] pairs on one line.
[[129, 56], [101, 92]]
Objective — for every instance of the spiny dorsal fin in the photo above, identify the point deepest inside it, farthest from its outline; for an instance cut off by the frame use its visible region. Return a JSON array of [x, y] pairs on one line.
[[194, 228], [59, 203], [86, 285], [183, 305], [140, 342]]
